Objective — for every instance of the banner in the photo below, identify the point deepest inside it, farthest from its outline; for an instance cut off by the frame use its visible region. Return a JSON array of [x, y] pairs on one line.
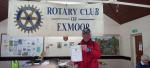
[[27, 18]]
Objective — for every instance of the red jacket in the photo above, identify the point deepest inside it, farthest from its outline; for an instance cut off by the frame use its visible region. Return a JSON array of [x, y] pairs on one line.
[[90, 59]]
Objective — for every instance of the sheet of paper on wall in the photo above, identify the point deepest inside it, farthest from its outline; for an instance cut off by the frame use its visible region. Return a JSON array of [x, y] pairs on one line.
[[76, 53], [140, 47]]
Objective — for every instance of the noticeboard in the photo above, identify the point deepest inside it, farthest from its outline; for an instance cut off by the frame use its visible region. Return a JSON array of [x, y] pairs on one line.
[[21, 46]]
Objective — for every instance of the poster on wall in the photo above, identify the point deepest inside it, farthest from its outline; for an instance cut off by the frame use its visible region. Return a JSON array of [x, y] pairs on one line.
[[60, 46], [28, 18], [21, 46], [109, 44]]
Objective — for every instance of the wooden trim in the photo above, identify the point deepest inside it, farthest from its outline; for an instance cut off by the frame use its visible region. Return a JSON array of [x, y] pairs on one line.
[[64, 57]]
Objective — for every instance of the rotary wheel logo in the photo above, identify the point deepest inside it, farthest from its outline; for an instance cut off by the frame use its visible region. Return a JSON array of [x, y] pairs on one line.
[[28, 19]]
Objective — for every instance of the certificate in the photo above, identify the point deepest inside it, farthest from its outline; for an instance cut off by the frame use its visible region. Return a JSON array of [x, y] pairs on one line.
[[76, 53]]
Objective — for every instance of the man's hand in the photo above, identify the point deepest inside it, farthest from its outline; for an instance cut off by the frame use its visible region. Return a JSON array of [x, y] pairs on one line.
[[70, 63], [84, 47]]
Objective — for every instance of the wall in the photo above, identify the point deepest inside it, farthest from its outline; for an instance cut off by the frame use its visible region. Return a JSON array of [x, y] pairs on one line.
[[110, 26], [63, 49], [3, 29], [143, 26], [3, 26]]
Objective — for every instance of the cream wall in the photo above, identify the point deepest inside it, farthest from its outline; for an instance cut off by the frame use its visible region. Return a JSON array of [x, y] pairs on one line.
[[64, 50], [143, 26], [110, 26], [3, 26]]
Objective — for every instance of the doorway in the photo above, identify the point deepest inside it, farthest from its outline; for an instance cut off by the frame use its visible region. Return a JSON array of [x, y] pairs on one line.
[[136, 47], [139, 47]]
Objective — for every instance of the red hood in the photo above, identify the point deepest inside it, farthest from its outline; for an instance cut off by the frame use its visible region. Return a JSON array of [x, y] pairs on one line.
[[83, 42]]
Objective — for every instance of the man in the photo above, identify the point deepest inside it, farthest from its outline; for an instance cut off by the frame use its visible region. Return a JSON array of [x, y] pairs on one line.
[[144, 62], [90, 51]]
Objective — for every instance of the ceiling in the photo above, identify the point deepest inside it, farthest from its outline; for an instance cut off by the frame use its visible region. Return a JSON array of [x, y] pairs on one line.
[[123, 13], [3, 9], [120, 13]]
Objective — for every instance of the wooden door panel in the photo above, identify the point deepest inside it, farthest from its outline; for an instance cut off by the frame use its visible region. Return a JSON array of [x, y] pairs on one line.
[[139, 47]]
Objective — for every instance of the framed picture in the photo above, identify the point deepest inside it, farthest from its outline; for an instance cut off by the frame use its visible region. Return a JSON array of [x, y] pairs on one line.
[[109, 44]]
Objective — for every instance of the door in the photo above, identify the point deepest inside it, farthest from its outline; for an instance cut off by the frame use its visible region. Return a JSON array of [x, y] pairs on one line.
[[138, 47]]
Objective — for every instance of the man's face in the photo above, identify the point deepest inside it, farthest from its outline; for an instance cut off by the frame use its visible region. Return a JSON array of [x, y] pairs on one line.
[[86, 36]]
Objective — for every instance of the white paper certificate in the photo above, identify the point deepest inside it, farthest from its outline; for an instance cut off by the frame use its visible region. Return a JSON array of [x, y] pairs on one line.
[[76, 53]]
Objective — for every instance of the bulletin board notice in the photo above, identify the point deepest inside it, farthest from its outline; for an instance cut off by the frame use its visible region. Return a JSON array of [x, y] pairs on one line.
[[21, 46]]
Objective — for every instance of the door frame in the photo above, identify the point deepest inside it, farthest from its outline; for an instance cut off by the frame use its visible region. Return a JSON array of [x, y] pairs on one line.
[[133, 50]]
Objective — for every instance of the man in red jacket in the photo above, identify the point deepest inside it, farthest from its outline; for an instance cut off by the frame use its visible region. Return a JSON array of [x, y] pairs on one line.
[[90, 51]]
